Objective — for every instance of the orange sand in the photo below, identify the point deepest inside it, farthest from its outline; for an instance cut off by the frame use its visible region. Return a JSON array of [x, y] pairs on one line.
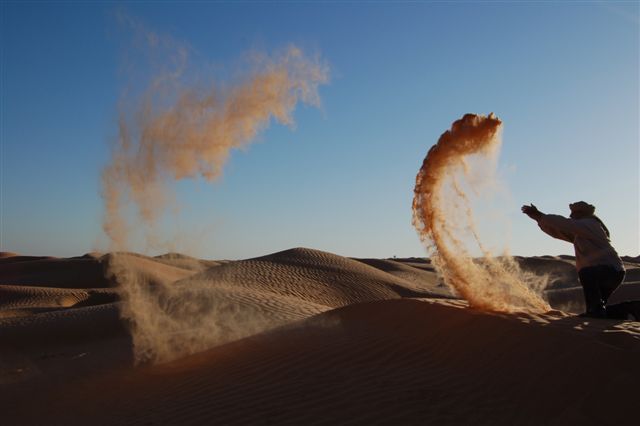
[[309, 337]]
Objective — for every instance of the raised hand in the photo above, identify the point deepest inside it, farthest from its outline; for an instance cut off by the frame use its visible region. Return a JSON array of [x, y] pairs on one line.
[[531, 211]]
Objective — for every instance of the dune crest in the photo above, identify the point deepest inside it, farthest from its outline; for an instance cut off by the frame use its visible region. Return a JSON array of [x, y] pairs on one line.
[[229, 301], [299, 336]]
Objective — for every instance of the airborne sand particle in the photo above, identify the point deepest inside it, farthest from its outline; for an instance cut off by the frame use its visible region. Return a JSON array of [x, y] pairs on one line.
[[194, 135], [178, 130], [443, 218]]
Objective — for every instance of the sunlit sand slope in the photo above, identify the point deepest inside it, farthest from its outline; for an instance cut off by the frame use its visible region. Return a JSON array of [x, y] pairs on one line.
[[69, 298], [238, 299], [417, 274], [304, 336], [312, 276], [18, 300]]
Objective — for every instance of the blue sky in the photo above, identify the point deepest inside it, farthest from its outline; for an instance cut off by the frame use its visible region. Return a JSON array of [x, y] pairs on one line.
[[563, 77]]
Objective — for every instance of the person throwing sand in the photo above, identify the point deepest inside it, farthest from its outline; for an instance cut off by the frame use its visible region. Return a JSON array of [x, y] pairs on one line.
[[600, 269]]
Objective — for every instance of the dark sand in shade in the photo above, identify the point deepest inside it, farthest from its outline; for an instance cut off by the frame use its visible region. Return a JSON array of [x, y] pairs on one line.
[[343, 341]]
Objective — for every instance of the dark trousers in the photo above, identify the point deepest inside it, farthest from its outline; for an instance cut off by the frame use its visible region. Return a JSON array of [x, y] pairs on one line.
[[598, 282]]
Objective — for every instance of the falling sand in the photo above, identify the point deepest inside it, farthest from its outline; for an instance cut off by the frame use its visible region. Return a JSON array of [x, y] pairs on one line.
[[190, 138], [194, 134], [441, 203], [174, 130]]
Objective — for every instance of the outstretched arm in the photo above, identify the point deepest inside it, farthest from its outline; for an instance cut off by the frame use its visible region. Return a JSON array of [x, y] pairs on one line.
[[556, 226], [532, 211]]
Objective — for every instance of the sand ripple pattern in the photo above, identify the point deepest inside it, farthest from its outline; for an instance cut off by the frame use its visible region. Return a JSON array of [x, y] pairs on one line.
[[306, 337], [313, 276], [384, 362], [238, 299]]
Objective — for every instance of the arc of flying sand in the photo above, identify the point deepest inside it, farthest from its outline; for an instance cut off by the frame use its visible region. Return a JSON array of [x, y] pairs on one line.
[[496, 284]]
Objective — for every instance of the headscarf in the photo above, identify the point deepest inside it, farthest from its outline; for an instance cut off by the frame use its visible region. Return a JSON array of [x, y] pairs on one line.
[[583, 208], [587, 210]]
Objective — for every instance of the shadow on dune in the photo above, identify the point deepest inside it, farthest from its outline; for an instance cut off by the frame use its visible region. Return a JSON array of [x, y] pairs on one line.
[[394, 361]]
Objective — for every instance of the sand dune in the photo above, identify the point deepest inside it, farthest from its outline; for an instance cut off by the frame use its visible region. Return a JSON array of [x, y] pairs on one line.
[[79, 272], [152, 271], [63, 325], [561, 271], [313, 276], [87, 271], [419, 277], [187, 262], [236, 299], [23, 298], [572, 300], [393, 361], [303, 336]]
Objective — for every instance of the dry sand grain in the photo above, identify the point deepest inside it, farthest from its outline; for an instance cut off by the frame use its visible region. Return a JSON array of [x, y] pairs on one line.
[[311, 338]]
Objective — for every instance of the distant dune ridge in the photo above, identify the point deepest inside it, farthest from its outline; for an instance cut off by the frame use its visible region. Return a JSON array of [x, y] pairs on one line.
[[298, 336]]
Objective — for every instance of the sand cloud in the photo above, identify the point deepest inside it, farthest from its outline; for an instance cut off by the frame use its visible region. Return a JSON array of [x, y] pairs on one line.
[[443, 217], [175, 123], [177, 129]]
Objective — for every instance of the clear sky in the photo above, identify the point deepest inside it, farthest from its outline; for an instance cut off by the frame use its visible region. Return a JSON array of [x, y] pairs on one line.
[[563, 77]]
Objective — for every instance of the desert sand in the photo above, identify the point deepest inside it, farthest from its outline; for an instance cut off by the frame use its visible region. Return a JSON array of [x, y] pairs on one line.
[[301, 337]]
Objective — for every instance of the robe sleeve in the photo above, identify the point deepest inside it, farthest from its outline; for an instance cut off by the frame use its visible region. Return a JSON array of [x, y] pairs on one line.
[[560, 227]]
